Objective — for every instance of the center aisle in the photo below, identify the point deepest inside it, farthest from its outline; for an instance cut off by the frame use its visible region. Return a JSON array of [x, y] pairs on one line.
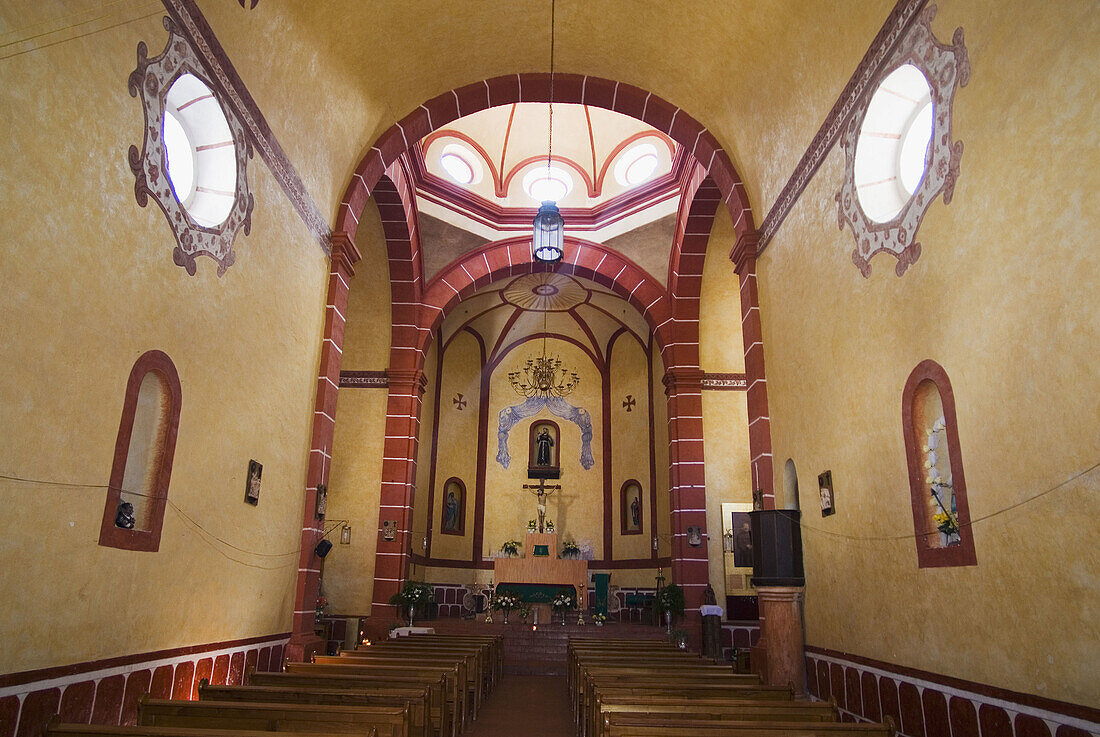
[[527, 705]]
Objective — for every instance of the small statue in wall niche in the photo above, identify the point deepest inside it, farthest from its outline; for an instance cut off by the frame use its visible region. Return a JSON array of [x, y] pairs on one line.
[[708, 595], [545, 443], [125, 517]]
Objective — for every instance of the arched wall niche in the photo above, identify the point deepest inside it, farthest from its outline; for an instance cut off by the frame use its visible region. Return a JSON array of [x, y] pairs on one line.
[[937, 485], [790, 486], [144, 451]]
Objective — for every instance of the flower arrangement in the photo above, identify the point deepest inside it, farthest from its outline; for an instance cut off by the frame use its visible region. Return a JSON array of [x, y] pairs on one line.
[[322, 602], [670, 599], [570, 549], [549, 525], [942, 490], [532, 525], [563, 603], [599, 619], [413, 593], [505, 602], [511, 548]]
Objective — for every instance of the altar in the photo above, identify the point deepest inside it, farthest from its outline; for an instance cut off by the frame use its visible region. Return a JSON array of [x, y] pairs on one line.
[[540, 564]]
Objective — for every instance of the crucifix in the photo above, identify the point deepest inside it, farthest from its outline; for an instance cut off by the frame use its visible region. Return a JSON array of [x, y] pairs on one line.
[[542, 491]]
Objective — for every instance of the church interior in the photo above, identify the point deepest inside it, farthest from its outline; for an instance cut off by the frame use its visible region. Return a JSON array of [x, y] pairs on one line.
[[537, 330]]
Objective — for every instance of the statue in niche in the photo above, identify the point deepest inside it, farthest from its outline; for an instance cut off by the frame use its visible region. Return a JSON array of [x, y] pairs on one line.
[[545, 443], [125, 517], [543, 457]]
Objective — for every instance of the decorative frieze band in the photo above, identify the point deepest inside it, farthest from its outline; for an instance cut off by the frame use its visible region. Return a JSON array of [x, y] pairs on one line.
[[725, 382], [364, 380]]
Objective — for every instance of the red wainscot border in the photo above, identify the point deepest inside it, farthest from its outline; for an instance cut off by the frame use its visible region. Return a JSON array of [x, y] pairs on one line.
[[924, 704], [107, 691]]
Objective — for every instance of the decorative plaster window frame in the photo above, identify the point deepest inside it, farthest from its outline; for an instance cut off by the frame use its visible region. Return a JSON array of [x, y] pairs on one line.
[[945, 68], [929, 556], [150, 83], [144, 539]]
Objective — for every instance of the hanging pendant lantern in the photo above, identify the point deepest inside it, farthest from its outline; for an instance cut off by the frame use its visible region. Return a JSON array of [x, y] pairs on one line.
[[549, 234]]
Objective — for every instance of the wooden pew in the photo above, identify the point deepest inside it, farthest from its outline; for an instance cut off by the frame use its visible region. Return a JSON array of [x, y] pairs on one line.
[[469, 665], [454, 675], [418, 699], [56, 729], [444, 719], [713, 709], [482, 654], [385, 721], [654, 675], [681, 689], [641, 725], [494, 642]]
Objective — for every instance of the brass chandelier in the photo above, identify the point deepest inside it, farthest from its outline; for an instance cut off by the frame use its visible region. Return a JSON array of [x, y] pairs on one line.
[[544, 376]]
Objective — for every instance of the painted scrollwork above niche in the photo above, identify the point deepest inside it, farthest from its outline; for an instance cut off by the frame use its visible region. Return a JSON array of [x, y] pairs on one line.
[[194, 155], [899, 155]]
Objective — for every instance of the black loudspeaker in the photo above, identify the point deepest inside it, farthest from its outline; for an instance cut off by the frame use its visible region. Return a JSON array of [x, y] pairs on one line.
[[322, 548], [777, 548]]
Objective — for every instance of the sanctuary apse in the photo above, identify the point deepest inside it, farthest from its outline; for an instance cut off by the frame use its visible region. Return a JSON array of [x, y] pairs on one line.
[[257, 367]]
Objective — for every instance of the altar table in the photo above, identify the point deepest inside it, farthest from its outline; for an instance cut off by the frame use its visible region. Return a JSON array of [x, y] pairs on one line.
[[544, 569]]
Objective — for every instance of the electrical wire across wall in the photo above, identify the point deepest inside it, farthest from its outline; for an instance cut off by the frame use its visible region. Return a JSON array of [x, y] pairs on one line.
[[206, 534]]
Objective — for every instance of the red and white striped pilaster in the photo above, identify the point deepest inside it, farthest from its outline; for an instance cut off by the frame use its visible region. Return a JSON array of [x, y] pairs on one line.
[[392, 558], [303, 642], [687, 481], [760, 439]]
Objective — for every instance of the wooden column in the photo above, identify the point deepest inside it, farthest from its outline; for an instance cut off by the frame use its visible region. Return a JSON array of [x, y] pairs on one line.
[[303, 642]]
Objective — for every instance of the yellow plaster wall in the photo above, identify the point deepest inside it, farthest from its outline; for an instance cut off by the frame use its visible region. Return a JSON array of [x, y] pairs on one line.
[[630, 445], [457, 452], [1004, 298], [88, 286], [355, 481], [660, 450], [725, 413]]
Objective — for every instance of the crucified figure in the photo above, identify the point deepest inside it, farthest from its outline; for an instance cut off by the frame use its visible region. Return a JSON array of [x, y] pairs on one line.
[[542, 491]]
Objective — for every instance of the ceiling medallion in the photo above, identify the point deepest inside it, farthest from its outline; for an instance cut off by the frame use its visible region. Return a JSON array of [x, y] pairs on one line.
[[544, 376], [545, 292]]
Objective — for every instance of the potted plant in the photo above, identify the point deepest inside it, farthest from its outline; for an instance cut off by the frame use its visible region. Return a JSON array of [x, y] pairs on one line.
[[511, 548], [412, 595], [563, 603], [505, 603], [670, 603], [569, 549]]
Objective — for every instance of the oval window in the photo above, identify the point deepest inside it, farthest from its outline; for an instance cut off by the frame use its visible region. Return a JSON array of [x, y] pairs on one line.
[[547, 184], [636, 165], [200, 153], [461, 164], [892, 148]]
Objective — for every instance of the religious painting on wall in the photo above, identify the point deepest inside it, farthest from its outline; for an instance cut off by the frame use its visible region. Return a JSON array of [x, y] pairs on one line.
[[453, 513], [742, 540], [630, 501], [825, 488], [252, 485], [545, 445]]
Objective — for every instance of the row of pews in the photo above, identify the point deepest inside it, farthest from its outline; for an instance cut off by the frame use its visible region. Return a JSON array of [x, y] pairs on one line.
[[631, 688], [420, 686]]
